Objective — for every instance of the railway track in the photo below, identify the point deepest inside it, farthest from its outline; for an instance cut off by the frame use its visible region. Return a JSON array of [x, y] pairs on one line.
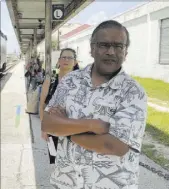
[[9, 67]]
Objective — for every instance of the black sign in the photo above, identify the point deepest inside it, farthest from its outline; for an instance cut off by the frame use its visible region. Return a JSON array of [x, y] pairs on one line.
[[58, 12]]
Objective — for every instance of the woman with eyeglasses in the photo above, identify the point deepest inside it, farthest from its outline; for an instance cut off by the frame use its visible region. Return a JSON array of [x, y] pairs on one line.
[[66, 63]]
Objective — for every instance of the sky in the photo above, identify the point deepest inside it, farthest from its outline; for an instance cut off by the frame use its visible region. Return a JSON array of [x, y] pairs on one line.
[[96, 12]]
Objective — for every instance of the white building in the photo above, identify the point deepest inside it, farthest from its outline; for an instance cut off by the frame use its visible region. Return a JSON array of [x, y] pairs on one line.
[[55, 54], [78, 39], [148, 26]]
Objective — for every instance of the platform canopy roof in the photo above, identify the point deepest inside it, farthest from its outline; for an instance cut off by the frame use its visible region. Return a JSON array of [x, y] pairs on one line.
[[26, 15]]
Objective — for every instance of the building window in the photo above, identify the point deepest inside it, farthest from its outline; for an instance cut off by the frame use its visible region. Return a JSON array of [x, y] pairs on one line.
[[164, 41]]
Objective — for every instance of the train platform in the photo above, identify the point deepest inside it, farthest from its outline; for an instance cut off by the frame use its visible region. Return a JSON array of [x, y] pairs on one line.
[[24, 157]]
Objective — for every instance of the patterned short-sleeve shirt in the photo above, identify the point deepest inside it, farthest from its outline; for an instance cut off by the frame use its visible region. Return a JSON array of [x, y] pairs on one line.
[[123, 103]]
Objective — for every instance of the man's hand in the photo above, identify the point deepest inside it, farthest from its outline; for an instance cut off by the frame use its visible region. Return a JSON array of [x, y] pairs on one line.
[[44, 136], [41, 111], [99, 127], [57, 111]]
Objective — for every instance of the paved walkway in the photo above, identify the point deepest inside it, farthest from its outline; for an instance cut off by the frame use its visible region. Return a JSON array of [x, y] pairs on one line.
[[24, 159], [23, 165], [158, 107]]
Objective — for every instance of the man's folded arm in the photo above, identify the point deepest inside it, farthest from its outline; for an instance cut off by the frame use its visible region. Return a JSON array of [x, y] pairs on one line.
[[63, 126], [102, 144], [59, 125]]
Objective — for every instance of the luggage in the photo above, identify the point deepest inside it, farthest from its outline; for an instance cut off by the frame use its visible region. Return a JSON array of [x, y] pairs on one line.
[[33, 101]]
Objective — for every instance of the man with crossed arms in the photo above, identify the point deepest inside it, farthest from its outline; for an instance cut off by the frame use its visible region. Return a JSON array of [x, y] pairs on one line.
[[99, 115]]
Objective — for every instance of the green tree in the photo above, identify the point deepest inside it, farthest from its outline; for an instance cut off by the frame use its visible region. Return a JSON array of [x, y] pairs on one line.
[[54, 45]]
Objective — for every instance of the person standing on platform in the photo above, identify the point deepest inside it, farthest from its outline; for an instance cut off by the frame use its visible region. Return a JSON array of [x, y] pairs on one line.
[[99, 114], [67, 63]]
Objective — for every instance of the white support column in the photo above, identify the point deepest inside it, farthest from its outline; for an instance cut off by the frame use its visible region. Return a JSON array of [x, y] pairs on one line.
[[30, 49], [35, 43], [58, 40], [27, 57], [48, 28]]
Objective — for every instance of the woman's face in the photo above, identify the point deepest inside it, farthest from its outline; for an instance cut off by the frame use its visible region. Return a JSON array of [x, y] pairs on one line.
[[67, 60]]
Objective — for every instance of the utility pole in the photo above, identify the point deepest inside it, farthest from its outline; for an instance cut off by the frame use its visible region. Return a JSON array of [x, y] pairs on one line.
[[58, 41]]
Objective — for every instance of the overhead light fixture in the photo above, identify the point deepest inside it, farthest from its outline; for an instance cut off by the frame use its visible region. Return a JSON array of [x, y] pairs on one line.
[[19, 15], [40, 23]]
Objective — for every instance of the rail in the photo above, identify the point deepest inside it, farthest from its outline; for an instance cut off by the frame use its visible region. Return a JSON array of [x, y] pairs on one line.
[[8, 68]]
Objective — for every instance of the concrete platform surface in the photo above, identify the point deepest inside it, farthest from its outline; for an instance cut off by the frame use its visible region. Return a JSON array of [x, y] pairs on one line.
[[24, 165]]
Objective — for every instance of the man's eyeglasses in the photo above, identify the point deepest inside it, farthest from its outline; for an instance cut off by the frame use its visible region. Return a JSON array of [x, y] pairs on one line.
[[66, 58], [106, 46]]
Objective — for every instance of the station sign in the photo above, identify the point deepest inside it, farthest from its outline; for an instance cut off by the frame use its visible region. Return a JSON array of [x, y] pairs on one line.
[[57, 12]]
